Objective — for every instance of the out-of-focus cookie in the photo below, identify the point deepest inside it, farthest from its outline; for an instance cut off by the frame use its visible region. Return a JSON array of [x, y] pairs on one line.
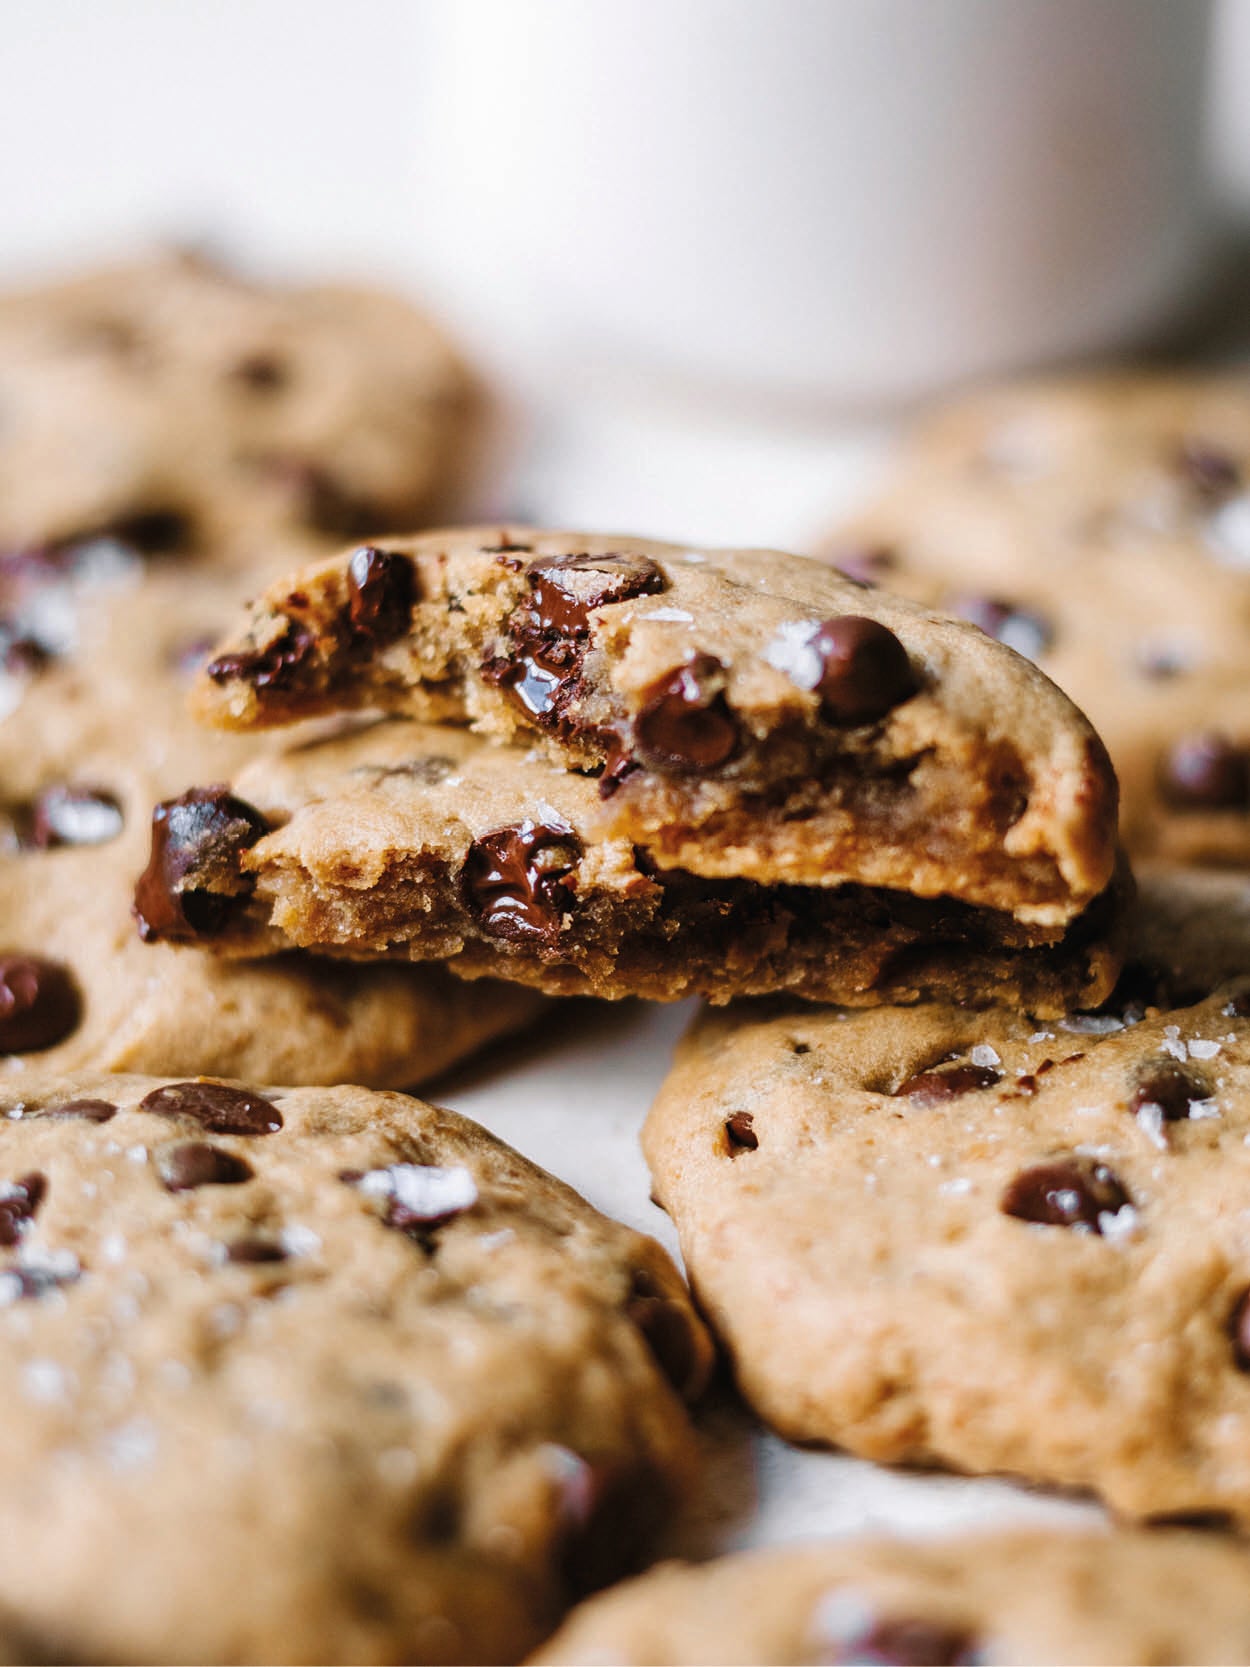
[[316, 1375], [415, 841], [178, 405], [936, 1236], [750, 714], [94, 729], [1019, 1597], [1100, 527]]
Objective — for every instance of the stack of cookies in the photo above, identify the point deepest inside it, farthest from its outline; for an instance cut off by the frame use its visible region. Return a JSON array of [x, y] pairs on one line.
[[957, 1152]]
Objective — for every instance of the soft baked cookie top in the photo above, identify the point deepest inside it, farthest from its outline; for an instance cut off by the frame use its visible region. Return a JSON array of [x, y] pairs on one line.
[[175, 403], [1020, 1595], [1005, 1246], [749, 714], [1100, 526], [347, 1334]]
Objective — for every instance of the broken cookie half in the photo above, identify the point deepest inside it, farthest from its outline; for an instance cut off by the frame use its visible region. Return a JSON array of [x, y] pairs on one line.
[[400, 840], [748, 715]]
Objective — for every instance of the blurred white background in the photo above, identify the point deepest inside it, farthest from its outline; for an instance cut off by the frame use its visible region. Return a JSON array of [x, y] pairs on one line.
[[302, 135]]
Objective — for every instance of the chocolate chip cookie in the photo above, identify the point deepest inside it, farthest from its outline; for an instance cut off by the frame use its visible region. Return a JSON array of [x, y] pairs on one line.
[[1018, 1597], [935, 1236], [1101, 528], [428, 842], [749, 714], [183, 408], [316, 1375], [93, 730]]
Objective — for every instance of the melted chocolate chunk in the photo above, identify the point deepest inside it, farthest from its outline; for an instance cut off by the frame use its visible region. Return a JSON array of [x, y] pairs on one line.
[[930, 1088], [18, 1205], [907, 1641], [1070, 1192], [1206, 772], [39, 1003], [865, 671], [685, 725], [274, 667], [193, 875], [1210, 468], [740, 1133], [194, 1163], [1167, 1084], [216, 1106], [381, 588], [513, 880], [568, 589], [73, 815], [665, 1325], [1239, 1331], [1019, 628], [547, 635], [91, 1111]]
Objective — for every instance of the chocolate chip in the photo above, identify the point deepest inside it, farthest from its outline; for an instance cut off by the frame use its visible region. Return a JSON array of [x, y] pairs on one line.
[[930, 1088], [91, 1111], [685, 724], [1239, 1331], [193, 873], [1210, 468], [665, 1324], [18, 1205], [261, 373], [73, 815], [218, 1107], [1206, 772], [381, 588], [1070, 1192], [568, 589], [253, 1250], [194, 1163], [513, 880], [274, 667], [21, 653], [1168, 1085], [1019, 628], [740, 1133], [906, 1641], [864, 672], [39, 1003], [153, 532]]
